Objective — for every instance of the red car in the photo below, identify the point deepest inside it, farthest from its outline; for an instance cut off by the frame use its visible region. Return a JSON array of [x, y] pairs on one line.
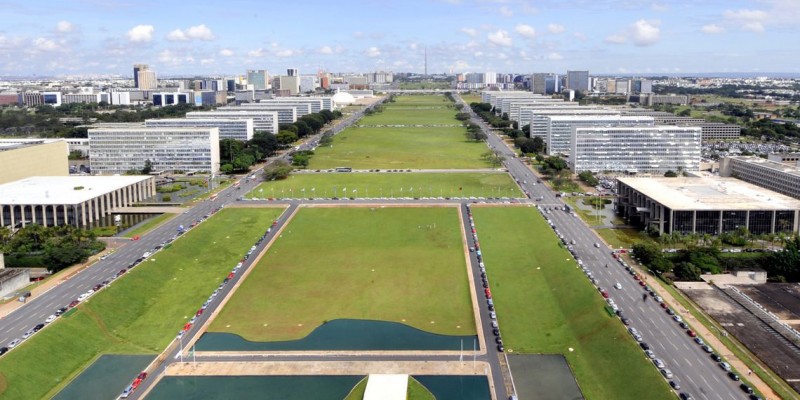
[[664, 305], [641, 283], [691, 333], [142, 375], [136, 383], [74, 303], [637, 277], [605, 294], [199, 312]]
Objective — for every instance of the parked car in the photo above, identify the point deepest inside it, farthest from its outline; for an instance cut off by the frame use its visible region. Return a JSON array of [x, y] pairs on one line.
[[674, 385]]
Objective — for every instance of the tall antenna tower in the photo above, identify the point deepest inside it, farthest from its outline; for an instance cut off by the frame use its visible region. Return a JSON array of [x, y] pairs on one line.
[[426, 62]]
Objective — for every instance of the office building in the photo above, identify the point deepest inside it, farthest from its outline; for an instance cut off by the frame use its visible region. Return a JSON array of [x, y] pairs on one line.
[[772, 175], [287, 114], [144, 78], [538, 85], [86, 98], [540, 124], [651, 99], [308, 83], [23, 158], [559, 128], [265, 121], [259, 78], [707, 205], [526, 112], [711, 130], [169, 99], [70, 200], [238, 129], [792, 159], [635, 149], [578, 80], [122, 148]]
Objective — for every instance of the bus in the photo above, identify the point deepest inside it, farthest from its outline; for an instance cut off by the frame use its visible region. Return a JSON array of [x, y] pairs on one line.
[[344, 169]]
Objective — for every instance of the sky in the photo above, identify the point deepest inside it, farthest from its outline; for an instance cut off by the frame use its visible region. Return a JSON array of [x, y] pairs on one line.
[[200, 37]]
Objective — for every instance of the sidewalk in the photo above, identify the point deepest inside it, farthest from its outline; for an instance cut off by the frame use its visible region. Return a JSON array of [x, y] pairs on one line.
[[332, 367], [705, 333]]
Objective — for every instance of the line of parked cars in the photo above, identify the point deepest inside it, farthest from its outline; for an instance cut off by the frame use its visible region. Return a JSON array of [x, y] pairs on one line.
[[485, 282]]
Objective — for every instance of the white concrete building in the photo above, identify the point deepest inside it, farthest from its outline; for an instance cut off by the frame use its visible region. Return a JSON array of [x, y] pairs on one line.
[[527, 114], [69, 200], [635, 149], [287, 113], [116, 150], [559, 128], [266, 121], [769, 174], [239, 129]]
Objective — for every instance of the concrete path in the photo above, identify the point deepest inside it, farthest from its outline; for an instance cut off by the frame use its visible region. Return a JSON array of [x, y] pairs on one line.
[[260, 368]]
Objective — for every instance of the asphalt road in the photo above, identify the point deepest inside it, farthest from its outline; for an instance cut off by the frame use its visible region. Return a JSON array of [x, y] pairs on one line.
[[695, 371]]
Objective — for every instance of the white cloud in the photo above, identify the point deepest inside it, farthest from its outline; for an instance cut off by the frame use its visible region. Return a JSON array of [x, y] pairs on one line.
[[500, 38], [199, 32], [615, 39], [207, 61], [285, 53], [645, 33], [555, 56], [141, 33], [555, 28], [506, 12], [580, 36], [256, 53], [658, 7], [226, 52], [325, 50], [526, 31], [712, 29], [373, 52], [747, 20], [65, 27], [470, 31], [44, 44]]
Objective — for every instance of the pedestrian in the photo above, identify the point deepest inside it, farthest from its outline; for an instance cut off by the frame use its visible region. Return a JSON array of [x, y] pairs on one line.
[[749, 371]]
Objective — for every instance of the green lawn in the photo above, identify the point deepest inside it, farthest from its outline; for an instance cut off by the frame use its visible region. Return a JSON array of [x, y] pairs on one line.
[[389, 148], [390, 184], [393, 264], [429, 85], [471, 98], [138, 314], [621, 237], [149, 224], [410, 115], [546, 305]]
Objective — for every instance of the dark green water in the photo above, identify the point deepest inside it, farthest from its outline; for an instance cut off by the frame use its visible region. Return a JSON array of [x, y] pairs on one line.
[[106, 378], [456, 387], [303, 387], [254, 387], [544, 377], [344, 334]]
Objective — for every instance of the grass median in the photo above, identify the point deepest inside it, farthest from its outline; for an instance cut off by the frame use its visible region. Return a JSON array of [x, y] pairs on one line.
[[388, 148], [149, 225], [546, 305], [399, 264], [491, 184], [137, 314]]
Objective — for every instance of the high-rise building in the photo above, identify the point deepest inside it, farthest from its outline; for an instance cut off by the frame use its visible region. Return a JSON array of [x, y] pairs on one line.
[[578, 80], [259, 78], [124, 147], [560, 127], [239, 129], [144, 78], [635, 149], [538, 85]]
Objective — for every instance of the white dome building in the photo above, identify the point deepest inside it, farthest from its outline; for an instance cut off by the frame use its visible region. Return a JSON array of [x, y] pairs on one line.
[[341, 99]]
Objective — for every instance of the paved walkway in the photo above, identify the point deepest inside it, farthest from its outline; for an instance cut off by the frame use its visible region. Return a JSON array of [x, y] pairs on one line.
[[333, 367]]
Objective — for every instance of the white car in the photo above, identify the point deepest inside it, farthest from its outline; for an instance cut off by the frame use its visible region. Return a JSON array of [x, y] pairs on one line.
[[50, 319], [13, 343], [617, 286], [650, 354]]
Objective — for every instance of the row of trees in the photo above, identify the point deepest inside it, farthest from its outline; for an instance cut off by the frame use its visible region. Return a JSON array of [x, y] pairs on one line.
[[52, 247], [306, 125], [486, 111], [707, 258]]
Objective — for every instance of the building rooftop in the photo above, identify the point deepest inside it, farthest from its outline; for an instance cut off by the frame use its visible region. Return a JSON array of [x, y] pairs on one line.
[[45, 190], [710, 193], [11, 144], [773, 165]]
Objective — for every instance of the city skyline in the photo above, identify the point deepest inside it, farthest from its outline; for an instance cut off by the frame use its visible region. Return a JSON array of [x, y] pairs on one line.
[[608, 36]]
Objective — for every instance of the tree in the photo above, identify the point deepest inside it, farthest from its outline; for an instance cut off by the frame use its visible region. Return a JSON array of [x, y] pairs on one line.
[[786, 263], [588, 178], [300, 159], [538, 144], [265, 142], [277, 171], [303, 129], [526, 130], [670, 174], [685, 113], [286, 137], [646, 252], [148, 167], [555, 163], [513, 133], [687, 271], [495, 159], [462, 116], [476, 135]]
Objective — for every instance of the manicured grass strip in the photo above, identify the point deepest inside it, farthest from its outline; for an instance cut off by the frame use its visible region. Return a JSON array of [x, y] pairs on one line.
[[149, 225], [493, 184], [422, 115], [391, 264], [357, 393], [387, 148], [546, 305], [138, 314], [620, 237], [471, 98]]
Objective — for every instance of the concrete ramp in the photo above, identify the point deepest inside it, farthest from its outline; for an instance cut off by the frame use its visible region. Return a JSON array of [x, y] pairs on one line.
[[386, 387]]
